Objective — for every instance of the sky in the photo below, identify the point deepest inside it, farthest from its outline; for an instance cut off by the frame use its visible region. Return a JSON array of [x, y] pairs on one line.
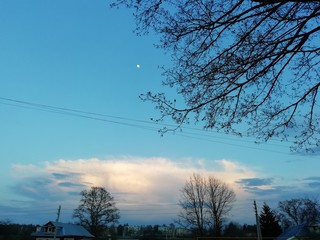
[[71, 73]]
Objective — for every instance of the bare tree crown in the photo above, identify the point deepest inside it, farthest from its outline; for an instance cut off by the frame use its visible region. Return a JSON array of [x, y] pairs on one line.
[[240, 66], [205, 203], [96, 210]]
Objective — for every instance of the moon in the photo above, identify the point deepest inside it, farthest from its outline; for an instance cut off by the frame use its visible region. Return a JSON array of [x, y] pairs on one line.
[[138, 65]]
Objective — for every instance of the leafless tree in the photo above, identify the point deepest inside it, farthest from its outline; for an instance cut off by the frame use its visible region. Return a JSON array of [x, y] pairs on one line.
[[240, 66], [96, 210], [205, 202], [193, 206], [299, 210], [219, 198]]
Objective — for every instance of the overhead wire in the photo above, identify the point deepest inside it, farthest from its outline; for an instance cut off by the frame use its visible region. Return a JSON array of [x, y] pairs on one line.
[[75, 113], [199, 134]]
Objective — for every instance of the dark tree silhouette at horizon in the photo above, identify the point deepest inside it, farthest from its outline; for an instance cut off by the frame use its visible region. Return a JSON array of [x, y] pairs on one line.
[[220, 198], [205, 203], [299, 211], [269, 223], [96, 210], [193, 205]]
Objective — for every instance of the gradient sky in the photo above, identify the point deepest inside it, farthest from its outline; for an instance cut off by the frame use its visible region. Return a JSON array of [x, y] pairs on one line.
[[71, 118]]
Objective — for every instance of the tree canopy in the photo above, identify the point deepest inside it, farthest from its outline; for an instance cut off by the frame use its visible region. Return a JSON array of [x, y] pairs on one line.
[[205, 203], [239, 66], [220, 198], [96, 210], [193, 205], [299, 211]]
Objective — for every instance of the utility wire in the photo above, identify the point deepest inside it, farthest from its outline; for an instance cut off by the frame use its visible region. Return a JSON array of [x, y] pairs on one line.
[[130, 122], [73, 112]]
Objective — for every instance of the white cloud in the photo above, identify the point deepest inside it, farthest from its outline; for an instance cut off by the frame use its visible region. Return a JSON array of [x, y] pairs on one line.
[[142, 187]]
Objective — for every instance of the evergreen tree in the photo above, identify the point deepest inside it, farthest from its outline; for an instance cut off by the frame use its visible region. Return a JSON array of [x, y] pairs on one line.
[[268, 222]]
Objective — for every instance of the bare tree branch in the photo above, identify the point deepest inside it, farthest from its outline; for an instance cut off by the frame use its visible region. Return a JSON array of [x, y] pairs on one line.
[[247, 67], [205, 202]]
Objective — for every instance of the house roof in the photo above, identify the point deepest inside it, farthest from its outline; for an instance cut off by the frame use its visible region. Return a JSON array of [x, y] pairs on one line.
[[64, 229], [302, 230]]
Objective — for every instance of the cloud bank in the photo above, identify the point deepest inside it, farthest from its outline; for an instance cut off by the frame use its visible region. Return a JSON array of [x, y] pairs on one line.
[[146, 189]]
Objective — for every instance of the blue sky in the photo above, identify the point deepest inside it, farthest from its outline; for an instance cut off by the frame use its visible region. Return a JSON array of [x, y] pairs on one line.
[[81, 55]]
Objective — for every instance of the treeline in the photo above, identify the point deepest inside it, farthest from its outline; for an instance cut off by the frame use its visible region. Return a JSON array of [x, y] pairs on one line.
[[171, 231], [13, 231]]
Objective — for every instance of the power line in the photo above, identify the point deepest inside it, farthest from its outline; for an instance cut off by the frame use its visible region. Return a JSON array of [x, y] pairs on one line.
[[197, 133], [75, 113]]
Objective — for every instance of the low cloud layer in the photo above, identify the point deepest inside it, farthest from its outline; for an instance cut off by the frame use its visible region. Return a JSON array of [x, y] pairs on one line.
[[146, 189]]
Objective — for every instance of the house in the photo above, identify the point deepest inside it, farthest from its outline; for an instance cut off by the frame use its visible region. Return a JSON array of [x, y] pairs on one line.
[[301, 232], [61, 231]]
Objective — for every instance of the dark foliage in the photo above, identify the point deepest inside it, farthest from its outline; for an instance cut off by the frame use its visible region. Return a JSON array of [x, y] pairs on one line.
[[12, 231], [269, 224], [233, 230]]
